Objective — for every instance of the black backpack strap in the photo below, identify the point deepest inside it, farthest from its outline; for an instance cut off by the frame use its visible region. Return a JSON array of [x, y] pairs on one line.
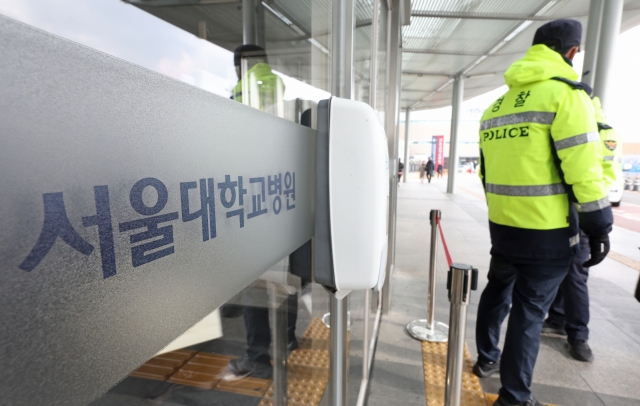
[[603, 126], [575, 85]]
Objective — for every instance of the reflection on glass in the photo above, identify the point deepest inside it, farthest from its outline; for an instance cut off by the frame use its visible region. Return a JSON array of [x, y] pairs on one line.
[[245, 353], [271, 333], [258, 86], [194, 41]]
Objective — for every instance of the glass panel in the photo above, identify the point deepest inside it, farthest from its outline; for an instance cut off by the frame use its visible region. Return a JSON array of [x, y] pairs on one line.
[[201, 43], [245, 352], [277, 60]]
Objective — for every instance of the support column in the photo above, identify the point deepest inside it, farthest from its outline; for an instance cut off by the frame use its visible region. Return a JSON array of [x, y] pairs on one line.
[[373, 90], [342, 49], [406, 145], [456, 107], [342, 27], [253, 25], [373, 72], [338, 351], [611, 18], [392, 113], [591, 48]]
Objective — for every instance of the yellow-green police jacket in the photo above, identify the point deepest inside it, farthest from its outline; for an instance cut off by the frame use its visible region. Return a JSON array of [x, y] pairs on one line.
[[541, 162], [611, 148], [259, 88]]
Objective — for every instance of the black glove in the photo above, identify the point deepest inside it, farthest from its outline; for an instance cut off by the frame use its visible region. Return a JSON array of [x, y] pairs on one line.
[[599, 249]]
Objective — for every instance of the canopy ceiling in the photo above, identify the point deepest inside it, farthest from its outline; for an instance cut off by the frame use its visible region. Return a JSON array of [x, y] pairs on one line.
[[478, 39]]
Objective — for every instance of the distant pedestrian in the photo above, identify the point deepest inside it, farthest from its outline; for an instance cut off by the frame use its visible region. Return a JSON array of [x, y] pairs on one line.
[[440, 170], [430, 166], [422, 170], [400, 168]]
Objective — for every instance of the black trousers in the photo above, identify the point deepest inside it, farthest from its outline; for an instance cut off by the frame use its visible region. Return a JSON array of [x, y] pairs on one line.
[[570, 309], [525, 290], [256, 322]]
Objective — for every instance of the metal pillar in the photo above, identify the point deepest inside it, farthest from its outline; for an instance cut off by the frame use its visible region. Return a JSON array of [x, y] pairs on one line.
[[392, 112], [406, 145], [456, 107], [278, 321], [253, 25], [611, 18], [461, 280], [591, 49], [342, 27], [342, 49], [202, 29], [369, 337], [339, 352], [373, 73]]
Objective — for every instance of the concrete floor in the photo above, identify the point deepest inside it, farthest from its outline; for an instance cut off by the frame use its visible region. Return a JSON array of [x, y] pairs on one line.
[[613, 379]]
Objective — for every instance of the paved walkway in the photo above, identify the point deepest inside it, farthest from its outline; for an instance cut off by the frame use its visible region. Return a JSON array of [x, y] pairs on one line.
[[612, 380]]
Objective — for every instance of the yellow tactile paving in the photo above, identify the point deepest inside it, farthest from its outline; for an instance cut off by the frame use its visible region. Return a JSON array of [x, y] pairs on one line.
[[434, 358], [307, 368], [625, 260], [491, 398]]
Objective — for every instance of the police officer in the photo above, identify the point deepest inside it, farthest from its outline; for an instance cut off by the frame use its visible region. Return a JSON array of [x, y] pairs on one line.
[[257, 85], [569, 313], [540, 163]]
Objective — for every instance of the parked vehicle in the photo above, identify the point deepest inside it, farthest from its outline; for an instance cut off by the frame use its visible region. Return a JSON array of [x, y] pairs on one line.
[[615, 193]]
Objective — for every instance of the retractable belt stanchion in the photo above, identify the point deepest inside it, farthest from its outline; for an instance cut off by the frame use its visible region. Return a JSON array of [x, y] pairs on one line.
[[429, 329], [461, 280]]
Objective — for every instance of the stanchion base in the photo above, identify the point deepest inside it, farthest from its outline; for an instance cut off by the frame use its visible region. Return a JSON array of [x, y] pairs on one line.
[[327, 316], [418, 330]]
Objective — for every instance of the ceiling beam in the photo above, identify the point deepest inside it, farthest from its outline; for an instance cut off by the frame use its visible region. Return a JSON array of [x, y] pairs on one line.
[[498, 16], [454, 53], [482, 16], [418, 73], [437, 52], [516, 29]]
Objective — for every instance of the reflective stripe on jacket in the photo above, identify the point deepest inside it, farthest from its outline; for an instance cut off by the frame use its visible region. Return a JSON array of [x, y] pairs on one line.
[[540, 150], [611, 148]]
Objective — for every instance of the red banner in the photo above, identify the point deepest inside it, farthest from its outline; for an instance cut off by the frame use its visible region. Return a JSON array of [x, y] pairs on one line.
[[437, 150]]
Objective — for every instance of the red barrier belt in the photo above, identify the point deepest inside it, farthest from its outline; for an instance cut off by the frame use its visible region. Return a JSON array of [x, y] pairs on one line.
[[444, 242]]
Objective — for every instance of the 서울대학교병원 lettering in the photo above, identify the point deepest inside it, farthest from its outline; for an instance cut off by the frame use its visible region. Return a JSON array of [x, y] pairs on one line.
[[152, 236]]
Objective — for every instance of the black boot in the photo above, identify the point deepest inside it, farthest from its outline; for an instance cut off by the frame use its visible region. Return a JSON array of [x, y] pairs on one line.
[[529, 402], [580, 350], [486, 369]]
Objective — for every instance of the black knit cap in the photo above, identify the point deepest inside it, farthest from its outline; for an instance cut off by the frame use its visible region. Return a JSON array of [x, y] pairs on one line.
[[250, 49], [559, 35]]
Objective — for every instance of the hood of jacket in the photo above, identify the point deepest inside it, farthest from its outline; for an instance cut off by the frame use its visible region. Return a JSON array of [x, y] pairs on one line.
[[539, 63]]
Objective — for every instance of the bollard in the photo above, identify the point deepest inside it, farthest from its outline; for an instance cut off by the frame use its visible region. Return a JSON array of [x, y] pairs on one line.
[[627, 183], [636, 184], [461, 280], [429, 329]]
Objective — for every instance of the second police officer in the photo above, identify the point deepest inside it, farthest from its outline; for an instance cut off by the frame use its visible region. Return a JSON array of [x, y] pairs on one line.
[[569, 313], [541, 169]]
